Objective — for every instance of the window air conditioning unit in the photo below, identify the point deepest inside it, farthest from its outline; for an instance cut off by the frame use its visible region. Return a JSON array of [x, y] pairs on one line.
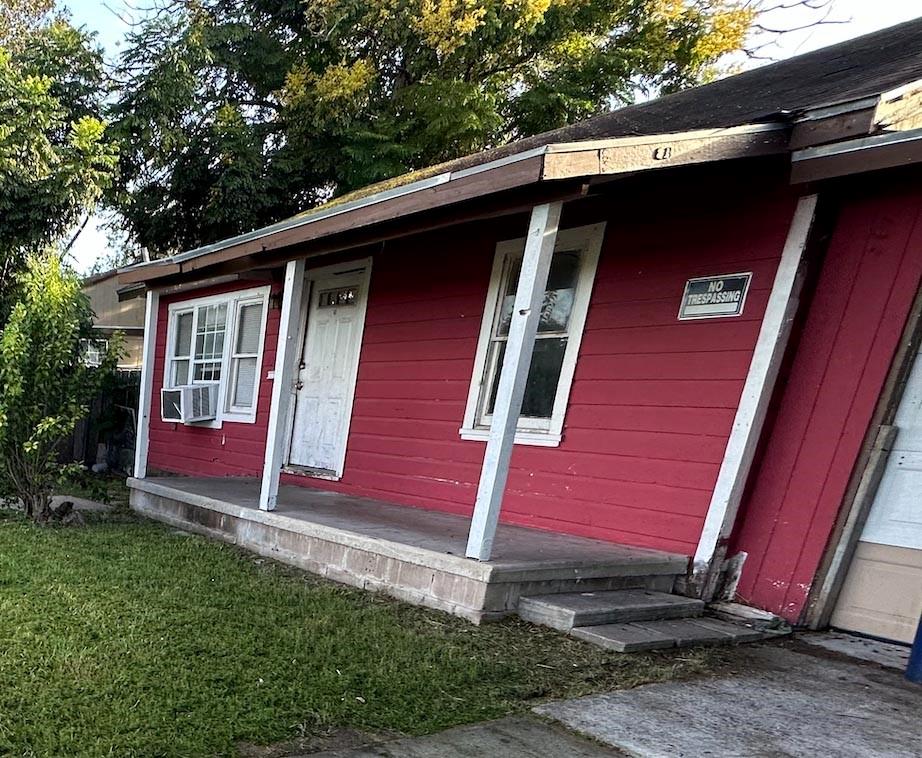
[[189, 403]]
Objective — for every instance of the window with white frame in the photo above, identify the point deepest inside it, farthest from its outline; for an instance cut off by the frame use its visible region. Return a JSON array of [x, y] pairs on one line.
[[560, 329], [219, 339], [94, 351]]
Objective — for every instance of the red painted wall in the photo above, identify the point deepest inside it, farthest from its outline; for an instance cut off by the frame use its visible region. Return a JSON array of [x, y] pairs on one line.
[[865, 290], [234, 450], [652, 400]]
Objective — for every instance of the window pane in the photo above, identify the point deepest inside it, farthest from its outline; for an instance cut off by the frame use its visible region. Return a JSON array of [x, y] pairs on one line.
[[543, 377], [245, 386], [180, 373], [209, 371], [558, 297], [564, 270], [337, 298], [495, 361], [183, 344], [209, 337], [249, 321]]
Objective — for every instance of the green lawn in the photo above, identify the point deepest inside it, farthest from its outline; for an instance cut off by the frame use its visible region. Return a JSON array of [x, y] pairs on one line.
[[126, 638]]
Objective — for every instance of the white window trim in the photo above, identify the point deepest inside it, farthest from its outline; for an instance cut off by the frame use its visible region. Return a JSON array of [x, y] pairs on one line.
[[237, 306], [539, 432], [99, 345], [233, 300]]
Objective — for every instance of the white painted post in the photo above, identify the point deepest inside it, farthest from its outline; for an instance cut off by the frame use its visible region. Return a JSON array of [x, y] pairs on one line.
[[282, 386], [757, 392], [146, 390], [526, 312]]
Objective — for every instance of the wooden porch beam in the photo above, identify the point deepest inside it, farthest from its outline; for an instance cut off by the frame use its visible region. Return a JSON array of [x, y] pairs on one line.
[[526, 312], [146, 390], [282, 386], [746, 431]]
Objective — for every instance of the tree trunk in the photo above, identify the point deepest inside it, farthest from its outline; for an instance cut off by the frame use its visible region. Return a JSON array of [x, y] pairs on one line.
[[37, 506]]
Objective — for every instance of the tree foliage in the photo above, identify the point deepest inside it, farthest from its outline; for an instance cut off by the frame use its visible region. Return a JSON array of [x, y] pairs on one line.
[[20, 18], [45, 386], [235, 113], [55, 158]]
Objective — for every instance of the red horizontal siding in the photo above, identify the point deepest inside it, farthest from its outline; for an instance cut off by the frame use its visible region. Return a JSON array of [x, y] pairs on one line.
[[652, 400], [234, 450], [865, 290]]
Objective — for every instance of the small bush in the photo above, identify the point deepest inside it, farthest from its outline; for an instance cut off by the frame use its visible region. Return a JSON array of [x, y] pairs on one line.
[[45, 385]]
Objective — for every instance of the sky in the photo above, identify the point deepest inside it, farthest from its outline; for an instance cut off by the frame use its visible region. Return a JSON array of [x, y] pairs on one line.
[[109, 19]]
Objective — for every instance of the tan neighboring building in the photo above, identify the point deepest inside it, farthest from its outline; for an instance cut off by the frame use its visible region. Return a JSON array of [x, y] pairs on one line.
[[116, 313]]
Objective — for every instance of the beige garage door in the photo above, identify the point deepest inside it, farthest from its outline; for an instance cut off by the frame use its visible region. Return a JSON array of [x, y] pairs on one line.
[[882, 595]]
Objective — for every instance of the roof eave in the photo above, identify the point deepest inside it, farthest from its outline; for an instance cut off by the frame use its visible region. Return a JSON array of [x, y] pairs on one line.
[[857, 156], [572, 160], [899, 109]]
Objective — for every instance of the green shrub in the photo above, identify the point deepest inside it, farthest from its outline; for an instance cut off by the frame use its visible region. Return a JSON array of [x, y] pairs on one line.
[[45, 386]]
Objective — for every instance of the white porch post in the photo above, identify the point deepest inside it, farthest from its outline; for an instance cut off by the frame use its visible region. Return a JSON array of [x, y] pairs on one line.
[[285, 357], [753, 405], [526, 312], [145, 392]]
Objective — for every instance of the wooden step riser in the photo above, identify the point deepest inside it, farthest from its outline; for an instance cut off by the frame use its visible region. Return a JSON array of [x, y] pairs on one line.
[[567, 621], [510, 595], [660, 635], [565, 611]]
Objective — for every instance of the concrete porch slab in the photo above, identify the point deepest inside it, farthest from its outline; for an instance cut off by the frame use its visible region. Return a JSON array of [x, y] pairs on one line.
[[411, 553]]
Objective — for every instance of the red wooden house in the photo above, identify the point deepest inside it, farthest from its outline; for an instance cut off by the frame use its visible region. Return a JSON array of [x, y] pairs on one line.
[[671, 347]]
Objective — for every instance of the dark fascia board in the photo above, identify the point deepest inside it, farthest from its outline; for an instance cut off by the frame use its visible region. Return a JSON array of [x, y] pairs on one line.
[[898, 109], [608, 157], [856, 156], [109, 329]]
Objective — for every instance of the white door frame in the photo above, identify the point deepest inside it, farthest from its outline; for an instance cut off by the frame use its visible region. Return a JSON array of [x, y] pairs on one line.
[[311, 276]]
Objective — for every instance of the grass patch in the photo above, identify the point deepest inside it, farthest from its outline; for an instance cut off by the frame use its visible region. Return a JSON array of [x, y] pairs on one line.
[[127, 638]]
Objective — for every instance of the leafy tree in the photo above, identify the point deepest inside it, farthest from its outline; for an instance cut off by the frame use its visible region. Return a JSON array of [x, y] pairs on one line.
[[235, 113], [45, 386], [55, 158], [19, 18]]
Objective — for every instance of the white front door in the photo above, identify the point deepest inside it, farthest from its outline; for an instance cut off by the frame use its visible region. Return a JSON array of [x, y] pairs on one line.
[[327, 372], [882, 595]]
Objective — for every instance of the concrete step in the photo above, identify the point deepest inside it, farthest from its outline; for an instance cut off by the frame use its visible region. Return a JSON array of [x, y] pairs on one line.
[[574, 609], [654, 635]]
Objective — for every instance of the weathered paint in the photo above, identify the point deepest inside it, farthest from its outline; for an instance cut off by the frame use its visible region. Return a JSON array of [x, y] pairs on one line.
[[863, 294]]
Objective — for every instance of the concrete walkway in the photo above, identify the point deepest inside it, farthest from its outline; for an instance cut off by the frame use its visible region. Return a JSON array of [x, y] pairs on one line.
[[776, 702], [512, 737]]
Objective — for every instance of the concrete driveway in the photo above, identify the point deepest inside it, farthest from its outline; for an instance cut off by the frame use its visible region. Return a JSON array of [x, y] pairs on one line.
[[512, 737], [774, 701]]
